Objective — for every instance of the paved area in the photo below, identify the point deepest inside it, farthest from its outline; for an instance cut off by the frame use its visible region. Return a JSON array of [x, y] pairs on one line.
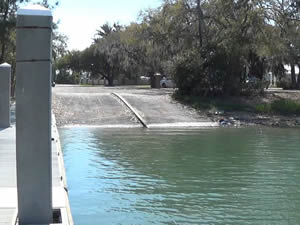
[[157, 109], [280, 90], [96, 106], [92, 109], [8, 189]]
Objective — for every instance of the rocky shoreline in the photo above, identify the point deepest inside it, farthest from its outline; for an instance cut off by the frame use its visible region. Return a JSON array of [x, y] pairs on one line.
[[215, 109], [244, 119]]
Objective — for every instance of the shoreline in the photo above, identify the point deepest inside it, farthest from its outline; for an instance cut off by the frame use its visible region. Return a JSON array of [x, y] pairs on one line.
[[273, 108], [162, 108], [245, 119]]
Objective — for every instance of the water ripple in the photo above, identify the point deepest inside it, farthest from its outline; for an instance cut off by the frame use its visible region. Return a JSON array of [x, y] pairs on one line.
[[209, 176]]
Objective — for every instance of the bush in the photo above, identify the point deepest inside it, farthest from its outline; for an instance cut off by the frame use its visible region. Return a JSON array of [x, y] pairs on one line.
[[253, 88], [189, 74], [211, 72], [284, 84], [263, 108], [212, 103]]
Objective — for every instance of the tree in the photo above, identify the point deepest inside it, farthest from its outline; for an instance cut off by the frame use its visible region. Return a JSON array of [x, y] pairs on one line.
[[7, 25], [59, 43], [285, 15], [68, 67], [109, 53], [230, 31], [208, 46], [8, 9]]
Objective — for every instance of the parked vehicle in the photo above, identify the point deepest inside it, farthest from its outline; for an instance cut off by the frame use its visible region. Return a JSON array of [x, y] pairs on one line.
[[144, 78], [167, 83]]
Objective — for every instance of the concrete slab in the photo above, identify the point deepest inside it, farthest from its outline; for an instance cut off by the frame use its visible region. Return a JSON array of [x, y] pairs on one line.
[[161, 109], [97, 107], [91, 109]]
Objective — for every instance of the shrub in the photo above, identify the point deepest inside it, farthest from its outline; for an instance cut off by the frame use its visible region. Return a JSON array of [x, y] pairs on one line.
[[284, 84], [189, 74], [263, 108], [211, 72]]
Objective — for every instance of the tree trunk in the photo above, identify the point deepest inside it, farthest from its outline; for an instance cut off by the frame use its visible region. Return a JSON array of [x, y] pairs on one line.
[[232, 86], [200, 18], [2, 50], [110, 81], [293, 76]]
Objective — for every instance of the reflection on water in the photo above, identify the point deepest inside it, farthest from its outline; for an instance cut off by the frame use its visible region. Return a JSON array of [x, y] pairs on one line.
[[217, 176]]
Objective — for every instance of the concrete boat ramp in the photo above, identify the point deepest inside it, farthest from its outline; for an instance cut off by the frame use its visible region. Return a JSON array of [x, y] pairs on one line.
[[8, 186], [121, 107]]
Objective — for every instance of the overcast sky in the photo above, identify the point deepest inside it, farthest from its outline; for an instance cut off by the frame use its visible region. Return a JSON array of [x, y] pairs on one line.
[[79, 19]]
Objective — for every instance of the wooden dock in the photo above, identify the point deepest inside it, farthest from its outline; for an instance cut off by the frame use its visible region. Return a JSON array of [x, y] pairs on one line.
[[8, 186]]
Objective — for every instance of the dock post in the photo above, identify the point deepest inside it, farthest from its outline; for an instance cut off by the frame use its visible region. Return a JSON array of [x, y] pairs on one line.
[[5, 85], [33, 115]]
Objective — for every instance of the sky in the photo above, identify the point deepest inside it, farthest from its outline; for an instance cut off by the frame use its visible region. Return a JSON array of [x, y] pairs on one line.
[[79, 19]]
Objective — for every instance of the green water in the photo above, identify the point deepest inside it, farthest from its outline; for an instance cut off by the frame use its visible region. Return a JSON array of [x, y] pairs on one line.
[[216, 176]]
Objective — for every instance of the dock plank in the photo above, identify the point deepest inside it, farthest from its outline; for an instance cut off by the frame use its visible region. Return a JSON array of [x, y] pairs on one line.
[[8, 184], [7, 216]]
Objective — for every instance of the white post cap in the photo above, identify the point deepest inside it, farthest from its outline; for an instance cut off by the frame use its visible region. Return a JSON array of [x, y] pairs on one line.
[[5, 65], [34, 10]]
